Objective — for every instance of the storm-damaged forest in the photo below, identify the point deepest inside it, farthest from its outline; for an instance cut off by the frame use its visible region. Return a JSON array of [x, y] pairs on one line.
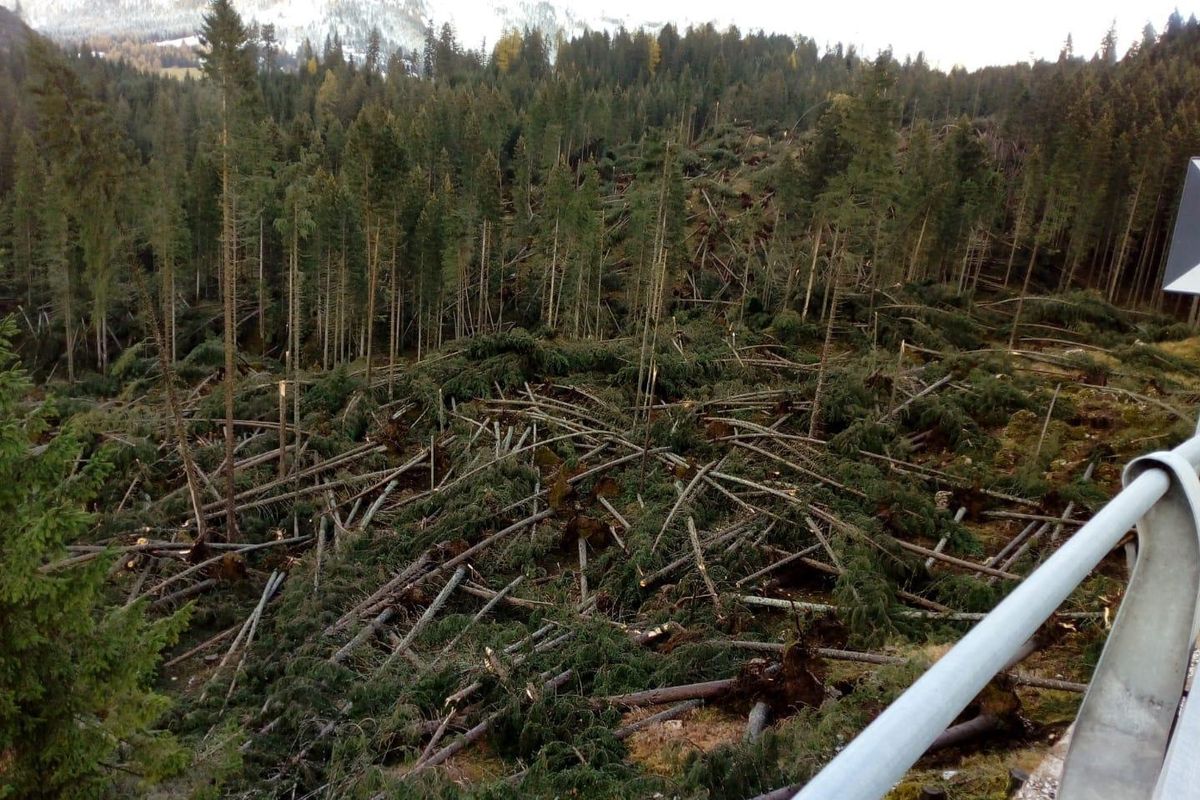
[[631, 415]]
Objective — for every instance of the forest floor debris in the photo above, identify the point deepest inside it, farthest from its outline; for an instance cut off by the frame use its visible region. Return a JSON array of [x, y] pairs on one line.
[[502, 556]]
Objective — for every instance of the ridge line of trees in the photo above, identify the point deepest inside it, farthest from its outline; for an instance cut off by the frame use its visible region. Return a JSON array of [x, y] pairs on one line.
[[362, 209]]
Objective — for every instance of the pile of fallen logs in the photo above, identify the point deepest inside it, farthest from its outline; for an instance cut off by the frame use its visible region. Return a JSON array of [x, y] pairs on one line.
[[667, 522]]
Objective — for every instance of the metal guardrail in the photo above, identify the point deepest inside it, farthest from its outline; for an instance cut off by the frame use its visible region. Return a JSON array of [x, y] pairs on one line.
[[1129, 742]]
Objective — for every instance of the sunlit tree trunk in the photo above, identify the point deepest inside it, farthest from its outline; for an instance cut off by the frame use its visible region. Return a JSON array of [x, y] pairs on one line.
[[812, 272], [814, 419]]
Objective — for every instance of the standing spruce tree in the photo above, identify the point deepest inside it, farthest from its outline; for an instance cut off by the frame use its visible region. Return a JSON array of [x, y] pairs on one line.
[[27, 187], [57, 261], [558, 197], [857, 201], [226, 60], [255, 192], [85, 143], [373, 166], [75, 709], [166, 230], [589, 225], [295, 225]]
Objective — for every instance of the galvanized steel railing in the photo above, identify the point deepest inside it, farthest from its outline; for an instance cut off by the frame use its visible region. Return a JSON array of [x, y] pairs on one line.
[[1129, 742]]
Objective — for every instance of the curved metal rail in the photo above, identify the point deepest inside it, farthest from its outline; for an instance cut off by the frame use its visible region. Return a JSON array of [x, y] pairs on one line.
[[1123, 745]]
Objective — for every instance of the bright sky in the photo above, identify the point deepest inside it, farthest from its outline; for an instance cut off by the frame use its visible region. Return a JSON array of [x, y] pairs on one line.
[[973, 34]]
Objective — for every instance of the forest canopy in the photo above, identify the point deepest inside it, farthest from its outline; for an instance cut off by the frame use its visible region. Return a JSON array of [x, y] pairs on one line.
[[445, 192]]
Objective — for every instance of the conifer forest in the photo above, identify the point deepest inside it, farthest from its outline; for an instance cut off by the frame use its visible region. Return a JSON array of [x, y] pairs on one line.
[[629, 415]]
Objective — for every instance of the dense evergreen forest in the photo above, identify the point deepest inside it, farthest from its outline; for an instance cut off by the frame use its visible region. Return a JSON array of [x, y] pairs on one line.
[[371, 211], [634, 415]]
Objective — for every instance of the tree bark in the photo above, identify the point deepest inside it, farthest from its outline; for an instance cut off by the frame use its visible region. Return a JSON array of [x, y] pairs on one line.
[[393, 320], [553, 273], [372, 285], [1012, 253], [228, 297], [484, 307], [1012, 337], [814, 422], [1119, 261], [812, 272], [912, 263], [262, 303]]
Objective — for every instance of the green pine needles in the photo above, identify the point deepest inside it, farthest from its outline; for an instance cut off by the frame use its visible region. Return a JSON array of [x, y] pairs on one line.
[[75, 707]]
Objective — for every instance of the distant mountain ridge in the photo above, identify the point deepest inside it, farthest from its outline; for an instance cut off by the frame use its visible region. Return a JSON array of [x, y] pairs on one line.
[[13, 31], [402, 23]]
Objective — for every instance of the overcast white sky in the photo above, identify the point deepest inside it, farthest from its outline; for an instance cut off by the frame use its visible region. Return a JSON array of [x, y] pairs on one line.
[[973, 34]]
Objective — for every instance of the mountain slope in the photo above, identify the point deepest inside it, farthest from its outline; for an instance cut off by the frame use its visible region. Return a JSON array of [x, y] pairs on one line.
[[401, 22], [71, 20], [13, 32]]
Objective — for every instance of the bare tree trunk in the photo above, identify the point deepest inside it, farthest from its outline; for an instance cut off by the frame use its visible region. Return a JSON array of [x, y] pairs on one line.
[[912, 263], [173, 407], [659, 298], [295, 336], [646, 358], [287, 370], [829, 286], [578, 300], [484, 306], [553, 273], [1107, 253], [814, 420], [372, 284], [229, 273], [98, 329], [1119, 263], [1038, 238], [171, 336], [461, 305], [1012, 254], [1143, 272], [168, 296], [262, 304], [812, 271], [769, 272], [393, 319], [962, 273], [745, 287], [599, 288], [26, 237], [420, 327], [1012, 338], [292, 352], [324, 301], [343, 340], [981, 253], [68, 322]]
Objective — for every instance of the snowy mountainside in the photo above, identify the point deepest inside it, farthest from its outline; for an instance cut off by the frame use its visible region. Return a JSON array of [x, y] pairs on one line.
[[401, 22]]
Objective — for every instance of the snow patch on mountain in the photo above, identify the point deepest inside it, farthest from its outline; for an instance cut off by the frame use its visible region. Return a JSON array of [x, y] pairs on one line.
[[402, 23]]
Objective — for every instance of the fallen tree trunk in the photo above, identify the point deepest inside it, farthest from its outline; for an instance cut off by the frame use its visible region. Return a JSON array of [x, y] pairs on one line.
[[625, 731], [964, 732], [757, 721], [672, 694]]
